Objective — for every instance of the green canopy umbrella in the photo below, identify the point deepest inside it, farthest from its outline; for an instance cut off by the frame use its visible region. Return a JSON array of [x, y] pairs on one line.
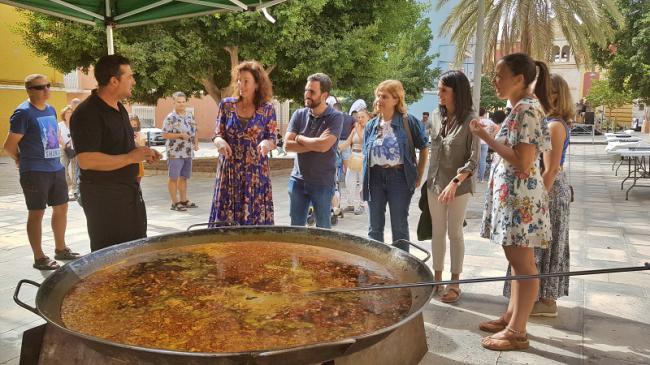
[[128, 13]]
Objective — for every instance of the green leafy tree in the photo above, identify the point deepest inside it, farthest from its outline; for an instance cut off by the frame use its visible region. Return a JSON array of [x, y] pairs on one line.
[[627, 56], [527, 26], [355, 42], [601, 93], [489, 99]]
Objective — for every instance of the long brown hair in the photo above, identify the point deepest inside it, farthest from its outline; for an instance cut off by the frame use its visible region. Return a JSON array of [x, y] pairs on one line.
[[563, 106], [523, 64], [264, 91]]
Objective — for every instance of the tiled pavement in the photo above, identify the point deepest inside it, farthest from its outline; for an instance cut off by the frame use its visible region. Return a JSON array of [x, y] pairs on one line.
[[604, 320]]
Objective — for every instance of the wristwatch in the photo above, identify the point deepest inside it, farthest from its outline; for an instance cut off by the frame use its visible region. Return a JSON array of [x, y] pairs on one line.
[[456, 181]]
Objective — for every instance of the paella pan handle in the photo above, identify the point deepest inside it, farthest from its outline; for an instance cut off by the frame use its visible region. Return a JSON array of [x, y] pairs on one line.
[[18, 301], [404, 242], [216, 224]]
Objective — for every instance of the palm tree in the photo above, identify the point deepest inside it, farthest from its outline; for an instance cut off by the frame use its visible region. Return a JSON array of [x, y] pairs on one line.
[[528, 26]]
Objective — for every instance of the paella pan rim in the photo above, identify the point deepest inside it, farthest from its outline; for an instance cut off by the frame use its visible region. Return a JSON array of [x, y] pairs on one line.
[[118, 250]]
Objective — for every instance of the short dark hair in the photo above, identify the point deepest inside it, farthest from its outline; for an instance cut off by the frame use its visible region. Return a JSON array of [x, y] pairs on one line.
[[109, 66], [481, 111], [425, 113], [324, 81]]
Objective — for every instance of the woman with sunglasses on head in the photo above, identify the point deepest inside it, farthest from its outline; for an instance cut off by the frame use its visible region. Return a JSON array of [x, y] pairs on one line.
[[391, 170], [353, 178], [454, 159], [556, 258], [516, 214]]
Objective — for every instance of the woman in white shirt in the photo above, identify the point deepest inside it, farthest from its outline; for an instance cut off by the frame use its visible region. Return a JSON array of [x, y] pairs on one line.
[[492, 129], [68, 158]]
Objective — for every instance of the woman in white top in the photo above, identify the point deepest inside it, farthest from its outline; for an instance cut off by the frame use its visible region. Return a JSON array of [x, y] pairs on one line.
[[353, 175], [68, 158]]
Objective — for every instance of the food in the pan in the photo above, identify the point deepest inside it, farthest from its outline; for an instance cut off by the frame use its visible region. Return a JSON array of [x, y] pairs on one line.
[[233, 297]]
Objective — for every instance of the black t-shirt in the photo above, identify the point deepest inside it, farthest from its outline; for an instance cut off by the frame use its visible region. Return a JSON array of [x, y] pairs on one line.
[[97, 127]]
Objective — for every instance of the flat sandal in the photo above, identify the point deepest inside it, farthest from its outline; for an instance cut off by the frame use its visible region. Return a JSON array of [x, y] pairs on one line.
[[513, 340]]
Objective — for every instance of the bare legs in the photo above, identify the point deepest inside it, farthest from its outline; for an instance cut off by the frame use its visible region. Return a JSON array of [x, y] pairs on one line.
[[524, 292], [172, 187], [182, 189], [35, 230]]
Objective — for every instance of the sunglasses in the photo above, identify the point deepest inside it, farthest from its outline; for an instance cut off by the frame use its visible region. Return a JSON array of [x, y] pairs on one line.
[[40, 87]]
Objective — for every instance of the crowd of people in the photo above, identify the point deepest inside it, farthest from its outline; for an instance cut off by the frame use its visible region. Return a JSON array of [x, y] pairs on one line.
[[386, 154]]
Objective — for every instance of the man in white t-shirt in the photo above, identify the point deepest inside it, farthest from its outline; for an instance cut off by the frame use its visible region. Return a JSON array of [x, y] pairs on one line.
[[492, 128]]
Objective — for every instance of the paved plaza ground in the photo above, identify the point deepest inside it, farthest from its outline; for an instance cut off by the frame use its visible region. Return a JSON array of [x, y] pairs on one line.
[[604, 320]]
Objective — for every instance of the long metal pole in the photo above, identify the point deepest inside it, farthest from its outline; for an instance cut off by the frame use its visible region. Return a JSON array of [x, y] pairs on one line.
[[483, 280], [478, 54], [109, 29]]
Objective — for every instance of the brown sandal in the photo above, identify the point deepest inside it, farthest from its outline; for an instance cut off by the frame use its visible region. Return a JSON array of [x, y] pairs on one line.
[[511, 340], [452, 295], [45, 263], [493, 326]]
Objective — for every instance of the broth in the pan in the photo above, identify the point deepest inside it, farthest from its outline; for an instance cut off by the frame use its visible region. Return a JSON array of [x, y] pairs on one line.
[[232, 297]]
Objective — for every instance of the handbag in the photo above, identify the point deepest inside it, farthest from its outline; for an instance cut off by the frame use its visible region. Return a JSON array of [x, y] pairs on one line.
[[405, 120], [425, 227], [355, 162], [69, 152]]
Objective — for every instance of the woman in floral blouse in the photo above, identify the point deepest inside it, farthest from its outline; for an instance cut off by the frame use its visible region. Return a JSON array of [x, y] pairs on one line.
[[245, 135], [516, 214]]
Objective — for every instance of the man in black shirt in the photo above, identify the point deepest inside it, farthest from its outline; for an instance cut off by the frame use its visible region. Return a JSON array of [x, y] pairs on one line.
[[108, 158]]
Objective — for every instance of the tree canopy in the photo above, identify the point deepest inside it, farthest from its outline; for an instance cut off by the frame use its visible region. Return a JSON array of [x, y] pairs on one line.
[[358, 43], [627, 56]]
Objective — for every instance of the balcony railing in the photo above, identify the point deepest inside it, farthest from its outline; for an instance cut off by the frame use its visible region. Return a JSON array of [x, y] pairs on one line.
[[71, 80]]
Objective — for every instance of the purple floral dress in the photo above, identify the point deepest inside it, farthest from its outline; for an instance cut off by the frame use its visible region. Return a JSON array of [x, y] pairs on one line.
[[242, 191]]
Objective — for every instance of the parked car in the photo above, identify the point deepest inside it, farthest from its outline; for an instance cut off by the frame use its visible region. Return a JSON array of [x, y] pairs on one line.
[[153, 136]]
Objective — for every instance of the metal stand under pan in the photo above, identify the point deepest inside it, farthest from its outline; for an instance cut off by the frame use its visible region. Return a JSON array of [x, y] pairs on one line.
[[47, 345]]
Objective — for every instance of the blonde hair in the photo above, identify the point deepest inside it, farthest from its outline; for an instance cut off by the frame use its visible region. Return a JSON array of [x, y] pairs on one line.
[[562, 107], [396, 90], [65, 110]]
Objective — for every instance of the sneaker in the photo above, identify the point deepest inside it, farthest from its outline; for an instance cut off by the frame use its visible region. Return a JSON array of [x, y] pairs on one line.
[[358, 211], [541, 309]]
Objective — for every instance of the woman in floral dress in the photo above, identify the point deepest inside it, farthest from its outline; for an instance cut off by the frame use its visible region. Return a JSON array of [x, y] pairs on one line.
[[245, 134], [557, 257], [516, 214]]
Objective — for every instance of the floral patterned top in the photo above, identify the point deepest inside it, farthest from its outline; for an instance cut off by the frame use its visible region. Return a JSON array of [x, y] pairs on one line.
[[176, 123], [385, 149], [516, 209]]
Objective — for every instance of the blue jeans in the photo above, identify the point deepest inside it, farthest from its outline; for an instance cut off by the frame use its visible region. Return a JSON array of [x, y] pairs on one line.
[[301, 194], [389, 186], [481, 162]]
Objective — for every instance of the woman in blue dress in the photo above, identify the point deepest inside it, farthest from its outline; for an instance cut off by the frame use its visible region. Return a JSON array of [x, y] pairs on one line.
[[245, 134]]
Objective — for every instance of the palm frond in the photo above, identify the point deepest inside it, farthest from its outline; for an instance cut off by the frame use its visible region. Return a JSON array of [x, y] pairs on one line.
[[528, 25]]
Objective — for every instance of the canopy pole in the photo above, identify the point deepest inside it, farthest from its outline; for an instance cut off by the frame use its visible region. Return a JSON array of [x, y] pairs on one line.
[[478, 55], [109, 29], [109, 39]]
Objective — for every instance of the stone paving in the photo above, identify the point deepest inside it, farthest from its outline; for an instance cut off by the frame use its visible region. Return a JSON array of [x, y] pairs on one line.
[[604, 320]]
